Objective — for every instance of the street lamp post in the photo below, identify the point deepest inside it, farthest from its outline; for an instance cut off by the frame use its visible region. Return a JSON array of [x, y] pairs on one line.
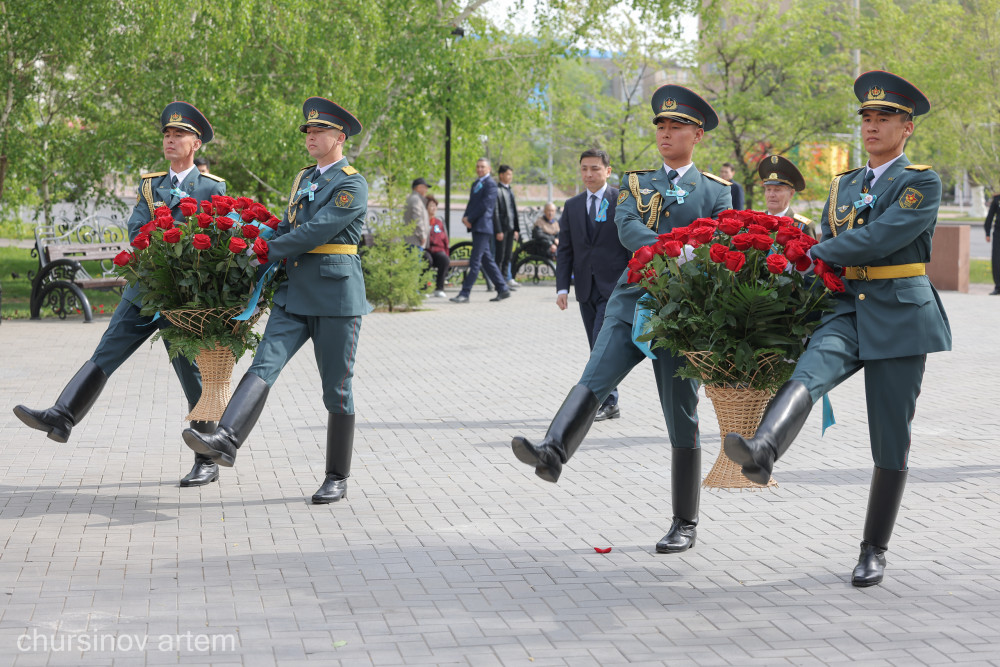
[[457, 33]]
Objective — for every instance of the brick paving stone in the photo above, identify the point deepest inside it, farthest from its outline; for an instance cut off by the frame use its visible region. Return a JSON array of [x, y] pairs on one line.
[[450, 552]]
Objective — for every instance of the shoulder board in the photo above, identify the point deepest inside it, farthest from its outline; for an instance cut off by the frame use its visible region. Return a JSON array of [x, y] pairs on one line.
[[153, 174], [220, 179], [308, 166], [349, 170], [638, 171], [801, 218], [918, 167], [849, 171], [715, 178]]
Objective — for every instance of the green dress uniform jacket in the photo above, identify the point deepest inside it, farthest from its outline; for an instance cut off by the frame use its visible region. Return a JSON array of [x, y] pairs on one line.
[[896, 317], [154, 191], [319, 283]]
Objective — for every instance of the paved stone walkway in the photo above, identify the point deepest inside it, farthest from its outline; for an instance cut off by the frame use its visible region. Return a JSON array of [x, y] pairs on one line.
[[448, 551]]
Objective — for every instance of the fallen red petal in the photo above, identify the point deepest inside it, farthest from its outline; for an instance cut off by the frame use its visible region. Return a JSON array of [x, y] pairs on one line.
[[602, 551]]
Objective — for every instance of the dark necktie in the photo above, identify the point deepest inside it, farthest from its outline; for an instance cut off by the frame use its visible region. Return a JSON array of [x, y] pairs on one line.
[[173, 181], [592, 214], [671, 175], [869, 177]]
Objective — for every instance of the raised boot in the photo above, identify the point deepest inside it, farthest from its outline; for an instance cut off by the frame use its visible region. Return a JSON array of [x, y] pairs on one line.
[[205, 470], [564, 436], [339, 447], [782, 421], [685, 490], [884, 498], [235, 424], [72, 405]]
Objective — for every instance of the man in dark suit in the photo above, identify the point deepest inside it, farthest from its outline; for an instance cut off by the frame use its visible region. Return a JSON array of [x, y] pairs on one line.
[[991, 233], [505, 222], [478, 219], [590, 252], [728, 172]]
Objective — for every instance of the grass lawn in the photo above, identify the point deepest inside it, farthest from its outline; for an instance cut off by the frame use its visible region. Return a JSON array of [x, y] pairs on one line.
[[16, 263], [980, 271]]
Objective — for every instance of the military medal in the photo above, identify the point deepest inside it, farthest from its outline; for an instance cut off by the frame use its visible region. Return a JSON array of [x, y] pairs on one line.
[[309, 190], [678, 192], [645, 191], [867, 199], [177, 192], [602, 215]]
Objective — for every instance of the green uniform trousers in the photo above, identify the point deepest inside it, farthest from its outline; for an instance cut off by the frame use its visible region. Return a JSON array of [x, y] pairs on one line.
[[615, 355], [126, 331], [891, 385], [335, 343]]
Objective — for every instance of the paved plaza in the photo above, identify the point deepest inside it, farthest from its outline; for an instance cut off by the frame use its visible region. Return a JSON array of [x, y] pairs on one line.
[[450, 552]]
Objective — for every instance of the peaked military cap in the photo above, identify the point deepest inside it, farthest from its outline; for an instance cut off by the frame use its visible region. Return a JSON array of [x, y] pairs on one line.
[[776, 170], [683, 105], [321, 112], [884, 91], [184, 116]]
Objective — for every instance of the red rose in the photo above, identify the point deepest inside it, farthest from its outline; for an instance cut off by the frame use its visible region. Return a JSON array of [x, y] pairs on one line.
[[188, 206], [746, 217], [148, 228], [237, 245], [643, 254], [204, 220], [141, 241], [250, 231], [785, 221], [821, 268], [260, 249], [672, 248], [650, 274], [803, 263], [833, 283], [247, 215], [633, 277], [795, 250], [786, 234], [704, 222], [776, 263], [743, 241], [681, 234], [222, 222], [728, 213], [757, 229], [164, 222], [206, 206], [703, 234], [634, 264], [172, 235], [717, 253], [668, 236], [735, 260], [767, 221], [731, 226], [161, 211], [261, 212], [124, 258], [222, 204], [808, 240], [201, 241], [761, 241], [241, 203], [273, 222]]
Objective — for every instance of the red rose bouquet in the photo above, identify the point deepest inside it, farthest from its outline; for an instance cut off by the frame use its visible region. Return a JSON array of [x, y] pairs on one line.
[[206, 263], [741, 291]]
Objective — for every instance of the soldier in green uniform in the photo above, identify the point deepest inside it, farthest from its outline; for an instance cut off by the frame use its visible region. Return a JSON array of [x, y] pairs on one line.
[[185, 130], [650, 202], [877, 224], [322, 299], [781, 179]]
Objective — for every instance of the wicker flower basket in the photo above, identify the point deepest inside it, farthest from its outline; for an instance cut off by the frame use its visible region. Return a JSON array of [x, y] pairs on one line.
[[738, 410], [215, 364]]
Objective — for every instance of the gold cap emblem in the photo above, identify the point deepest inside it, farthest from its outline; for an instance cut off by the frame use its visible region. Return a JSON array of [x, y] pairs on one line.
[[876, 93], [773, 176], [175, 117], [774, 159], [669, 104], [313, 114]]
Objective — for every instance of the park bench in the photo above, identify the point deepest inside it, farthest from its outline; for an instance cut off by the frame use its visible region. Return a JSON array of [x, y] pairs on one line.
[[61, 277]]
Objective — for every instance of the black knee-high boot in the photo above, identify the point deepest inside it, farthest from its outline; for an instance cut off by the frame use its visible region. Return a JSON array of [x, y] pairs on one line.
[[685, 490], [339, 448], [235, 424], [72, 405], [884, 498], [205, 470], [564, 436], [782, 421]]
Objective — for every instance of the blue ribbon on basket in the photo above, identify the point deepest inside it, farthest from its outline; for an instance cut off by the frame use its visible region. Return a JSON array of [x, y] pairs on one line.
[[640, 326], [269, 270], [828, 419]]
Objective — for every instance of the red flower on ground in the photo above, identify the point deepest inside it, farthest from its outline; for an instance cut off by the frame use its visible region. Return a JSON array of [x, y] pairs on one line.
[[201, 241], [237, 245]]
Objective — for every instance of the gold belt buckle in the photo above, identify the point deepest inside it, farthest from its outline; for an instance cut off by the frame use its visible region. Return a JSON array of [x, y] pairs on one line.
[[863, 273]]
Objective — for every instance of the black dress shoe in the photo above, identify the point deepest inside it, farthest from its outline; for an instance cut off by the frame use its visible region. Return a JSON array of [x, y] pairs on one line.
[[333, 489], [502, 295], [995, 292], [459, 299], [608, 412], [870, 567], [680, 537], [205, 471]]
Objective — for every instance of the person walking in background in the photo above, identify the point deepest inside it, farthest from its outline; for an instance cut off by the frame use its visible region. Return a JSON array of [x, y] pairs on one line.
[[478, 219], [992, 226], [728, 172], [437, 247], [506, 223], [590, 253]]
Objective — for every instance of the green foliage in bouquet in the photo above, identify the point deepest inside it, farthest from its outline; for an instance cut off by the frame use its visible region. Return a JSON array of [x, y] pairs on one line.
[[394, 270], [204, 268], [742, 290]]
